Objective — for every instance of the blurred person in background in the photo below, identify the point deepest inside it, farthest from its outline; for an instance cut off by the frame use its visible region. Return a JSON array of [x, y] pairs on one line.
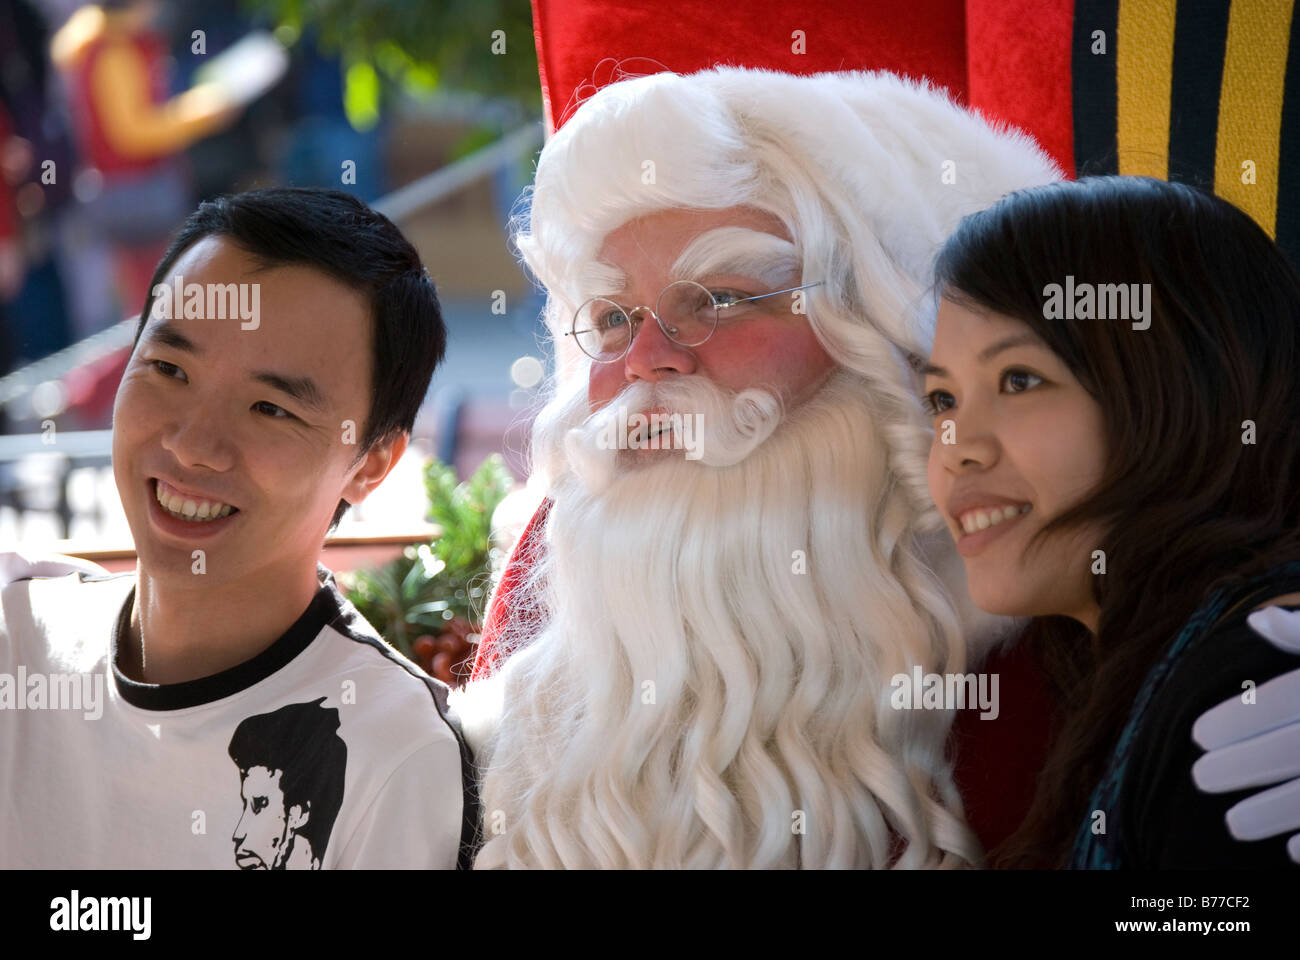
[[36, 170], [135, 184], [12, 265], [131, 132]]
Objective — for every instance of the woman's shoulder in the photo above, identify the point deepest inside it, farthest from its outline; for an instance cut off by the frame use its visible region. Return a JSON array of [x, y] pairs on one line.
[[1226, 661], [1170, 822]]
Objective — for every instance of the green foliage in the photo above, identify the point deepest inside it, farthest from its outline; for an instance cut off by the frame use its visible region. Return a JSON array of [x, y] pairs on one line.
[[428, 585], [423, 45]]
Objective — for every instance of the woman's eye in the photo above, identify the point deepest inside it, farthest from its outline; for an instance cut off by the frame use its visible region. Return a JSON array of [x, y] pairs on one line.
[[169, 370], [937, 402], [1019, 377], [277, 413]]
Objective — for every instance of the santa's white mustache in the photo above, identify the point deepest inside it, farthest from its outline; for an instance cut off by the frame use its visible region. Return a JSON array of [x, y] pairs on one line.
[[727, 425]]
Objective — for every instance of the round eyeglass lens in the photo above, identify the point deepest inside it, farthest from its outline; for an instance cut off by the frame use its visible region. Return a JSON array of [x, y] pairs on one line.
[[689, 312], [602, 329]]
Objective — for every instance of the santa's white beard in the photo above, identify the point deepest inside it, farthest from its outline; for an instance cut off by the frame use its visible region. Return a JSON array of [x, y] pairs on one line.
[[712, 686]]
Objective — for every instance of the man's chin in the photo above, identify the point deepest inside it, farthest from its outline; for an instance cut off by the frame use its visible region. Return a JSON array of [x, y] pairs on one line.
[[161, 556]]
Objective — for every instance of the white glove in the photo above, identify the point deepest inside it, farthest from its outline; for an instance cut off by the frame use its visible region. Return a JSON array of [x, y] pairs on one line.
[[1256, 744]]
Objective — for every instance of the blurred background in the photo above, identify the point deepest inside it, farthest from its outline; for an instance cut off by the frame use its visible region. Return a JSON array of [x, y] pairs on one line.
[[116, 119]]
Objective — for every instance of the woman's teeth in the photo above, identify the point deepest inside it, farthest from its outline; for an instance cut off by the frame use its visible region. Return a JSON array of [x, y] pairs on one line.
[[972, 521], [195, 511]]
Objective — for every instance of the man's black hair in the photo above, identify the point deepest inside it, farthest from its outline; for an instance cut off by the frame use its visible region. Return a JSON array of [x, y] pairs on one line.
[[337, 234]]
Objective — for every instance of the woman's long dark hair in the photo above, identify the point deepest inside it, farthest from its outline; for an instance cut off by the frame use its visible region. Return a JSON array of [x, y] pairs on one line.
[[1189, 504]]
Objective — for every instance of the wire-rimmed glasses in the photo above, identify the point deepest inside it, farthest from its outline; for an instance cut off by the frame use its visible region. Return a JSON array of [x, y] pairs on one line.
[[687, 312]]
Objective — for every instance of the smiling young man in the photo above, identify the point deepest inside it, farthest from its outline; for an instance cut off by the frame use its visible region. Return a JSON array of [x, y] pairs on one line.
[[239, 438]]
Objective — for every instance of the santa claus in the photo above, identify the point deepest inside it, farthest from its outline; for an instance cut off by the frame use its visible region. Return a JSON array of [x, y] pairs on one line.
[[737, 555]]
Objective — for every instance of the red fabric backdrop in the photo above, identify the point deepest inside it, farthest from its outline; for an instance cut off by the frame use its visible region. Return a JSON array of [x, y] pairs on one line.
[[1008, 58]]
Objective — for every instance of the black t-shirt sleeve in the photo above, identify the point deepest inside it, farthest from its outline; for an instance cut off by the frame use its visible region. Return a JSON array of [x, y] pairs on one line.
[[1169, 823]]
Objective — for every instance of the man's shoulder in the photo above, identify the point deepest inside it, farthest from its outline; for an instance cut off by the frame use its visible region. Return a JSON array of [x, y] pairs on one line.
[[51, 596], [384, 682], [414, 739], [25, 565], [59, 610], [51, 592]]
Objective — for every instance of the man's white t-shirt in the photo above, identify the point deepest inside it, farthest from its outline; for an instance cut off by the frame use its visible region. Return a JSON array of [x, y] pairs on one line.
[[328, 749]]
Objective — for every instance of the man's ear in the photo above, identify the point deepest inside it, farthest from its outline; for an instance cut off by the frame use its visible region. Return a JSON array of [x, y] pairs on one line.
[[374, 466]]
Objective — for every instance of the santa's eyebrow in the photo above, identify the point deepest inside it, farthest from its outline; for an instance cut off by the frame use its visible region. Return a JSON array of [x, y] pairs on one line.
[[599, 279], [738, 250]]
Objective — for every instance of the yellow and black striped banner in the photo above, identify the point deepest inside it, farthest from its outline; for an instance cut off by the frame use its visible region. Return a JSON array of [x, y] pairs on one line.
[[1204, 93]]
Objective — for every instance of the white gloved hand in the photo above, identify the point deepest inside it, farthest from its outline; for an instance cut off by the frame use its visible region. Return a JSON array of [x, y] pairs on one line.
[[1257, 744]]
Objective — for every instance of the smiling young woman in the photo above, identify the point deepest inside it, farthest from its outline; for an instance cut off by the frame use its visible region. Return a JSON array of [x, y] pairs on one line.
[[1134, 487]]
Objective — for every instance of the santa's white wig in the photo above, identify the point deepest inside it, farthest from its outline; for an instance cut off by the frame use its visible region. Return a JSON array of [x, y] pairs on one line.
[[768, 738]]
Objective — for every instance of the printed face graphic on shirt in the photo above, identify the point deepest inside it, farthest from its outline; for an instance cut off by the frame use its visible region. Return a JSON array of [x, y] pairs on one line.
[[266, 831], [291, 767]]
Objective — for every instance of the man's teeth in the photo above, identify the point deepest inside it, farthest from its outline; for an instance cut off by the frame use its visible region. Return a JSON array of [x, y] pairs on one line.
[[196, 511], [973, 521]]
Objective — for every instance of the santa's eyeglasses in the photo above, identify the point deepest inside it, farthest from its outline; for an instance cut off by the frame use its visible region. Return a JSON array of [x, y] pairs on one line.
[[687, 312]]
